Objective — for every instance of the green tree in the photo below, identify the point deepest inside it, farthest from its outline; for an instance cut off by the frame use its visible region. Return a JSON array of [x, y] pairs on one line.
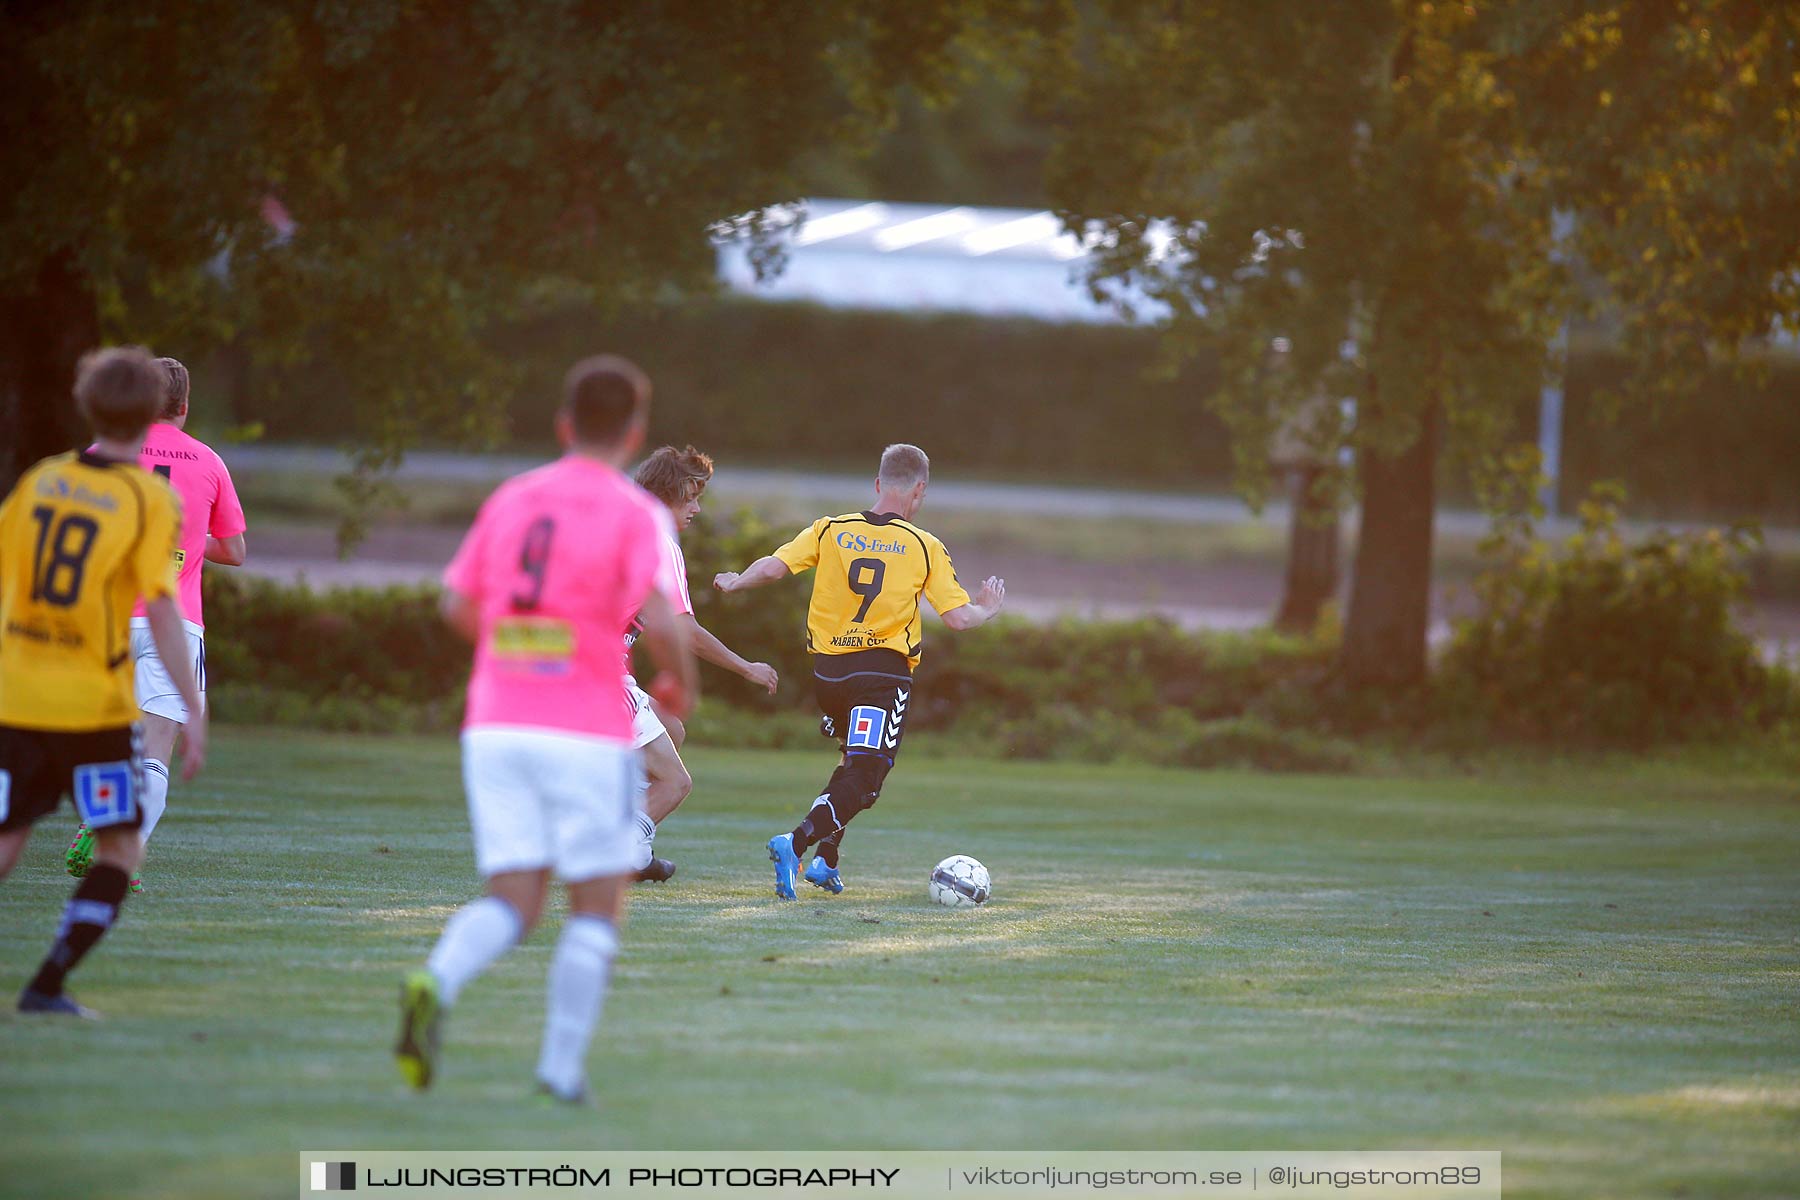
[[1397, 195], [440, 163], [981, 144]]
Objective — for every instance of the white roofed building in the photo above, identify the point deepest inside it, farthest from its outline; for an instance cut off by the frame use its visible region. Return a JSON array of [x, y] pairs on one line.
[[999, 262]]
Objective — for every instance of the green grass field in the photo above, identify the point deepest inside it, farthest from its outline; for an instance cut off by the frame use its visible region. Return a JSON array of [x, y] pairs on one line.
[[1596, 971]]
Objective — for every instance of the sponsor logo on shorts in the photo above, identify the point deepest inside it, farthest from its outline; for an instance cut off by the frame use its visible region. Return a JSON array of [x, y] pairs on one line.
[[866, 726], [103, 793]]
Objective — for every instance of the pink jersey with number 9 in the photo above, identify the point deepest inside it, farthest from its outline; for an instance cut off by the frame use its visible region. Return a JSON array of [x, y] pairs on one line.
[[209, 505], [557, 563]]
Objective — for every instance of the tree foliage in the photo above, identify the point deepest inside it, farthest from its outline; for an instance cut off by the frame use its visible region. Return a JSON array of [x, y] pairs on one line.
[[373, 181], [1399, 202], [982, 144], [1671, 131]]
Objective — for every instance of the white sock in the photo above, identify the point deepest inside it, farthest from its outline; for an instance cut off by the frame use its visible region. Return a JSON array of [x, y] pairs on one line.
[[575, 991], [473, 938], [155, 799], [645, 849]]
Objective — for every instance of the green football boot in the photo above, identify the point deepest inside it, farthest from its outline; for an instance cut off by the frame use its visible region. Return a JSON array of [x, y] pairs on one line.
[[417, 1049], [545, 1096], [81, 852]]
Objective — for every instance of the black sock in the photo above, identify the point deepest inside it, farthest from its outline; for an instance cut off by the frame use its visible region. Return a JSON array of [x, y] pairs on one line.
[[816, 824], [820, 823], [803, 836], [828, 847], [91, 911]]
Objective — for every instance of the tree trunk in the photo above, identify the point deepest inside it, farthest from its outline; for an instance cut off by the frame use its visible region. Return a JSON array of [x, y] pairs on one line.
[[44, 330], [1390, 594], [1312, 563]]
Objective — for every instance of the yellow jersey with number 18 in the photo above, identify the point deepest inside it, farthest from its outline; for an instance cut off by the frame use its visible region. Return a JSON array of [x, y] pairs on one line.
[[872, 569], [81, 538]]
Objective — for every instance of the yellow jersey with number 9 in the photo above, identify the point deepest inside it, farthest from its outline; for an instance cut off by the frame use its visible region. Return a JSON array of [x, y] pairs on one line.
[[871, 570], [81, 538]]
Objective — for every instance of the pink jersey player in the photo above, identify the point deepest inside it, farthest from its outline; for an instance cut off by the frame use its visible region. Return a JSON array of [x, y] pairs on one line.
[[558, 563], [210, 513], [209, 505]]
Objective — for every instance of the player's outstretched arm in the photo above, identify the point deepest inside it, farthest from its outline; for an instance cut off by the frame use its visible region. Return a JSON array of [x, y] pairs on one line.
[[709, 647], [764, 570], [677, 685], [170, 636], [979, 611], [227, 552], [459, 613]]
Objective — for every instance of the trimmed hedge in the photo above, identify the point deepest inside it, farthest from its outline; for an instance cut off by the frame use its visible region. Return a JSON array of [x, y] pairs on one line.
[[802, 385], [380, 660], [795, 384]]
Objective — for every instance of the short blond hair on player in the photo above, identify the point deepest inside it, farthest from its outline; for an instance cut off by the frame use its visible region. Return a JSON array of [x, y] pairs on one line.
[[903, 466], [119, 390]]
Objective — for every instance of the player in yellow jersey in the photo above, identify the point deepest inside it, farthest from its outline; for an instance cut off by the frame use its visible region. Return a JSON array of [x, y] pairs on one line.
[[865, 632], [82, 536]]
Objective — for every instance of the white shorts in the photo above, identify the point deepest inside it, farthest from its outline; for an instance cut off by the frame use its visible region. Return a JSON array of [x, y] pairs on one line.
[[646, 726], [545, 798], [156, 692]]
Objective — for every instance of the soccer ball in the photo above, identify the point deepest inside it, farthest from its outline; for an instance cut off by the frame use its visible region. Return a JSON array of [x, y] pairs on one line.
[[959, 882]]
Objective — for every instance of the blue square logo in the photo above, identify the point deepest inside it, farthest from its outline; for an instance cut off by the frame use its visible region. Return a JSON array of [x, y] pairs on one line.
[[866, 725], [104, 793]]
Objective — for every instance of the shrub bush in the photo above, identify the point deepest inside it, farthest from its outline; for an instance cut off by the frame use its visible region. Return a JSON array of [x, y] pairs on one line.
[[1603, 641], [365, 644], [371, 660], [350, 643]]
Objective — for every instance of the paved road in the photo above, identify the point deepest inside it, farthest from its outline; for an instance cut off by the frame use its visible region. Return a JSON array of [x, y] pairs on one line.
[[847, 491], [1040, 587], [811, 487]]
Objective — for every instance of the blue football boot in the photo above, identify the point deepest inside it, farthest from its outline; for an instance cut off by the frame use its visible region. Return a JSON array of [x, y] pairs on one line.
[[61, 1004], [787, 864], [822, 876]]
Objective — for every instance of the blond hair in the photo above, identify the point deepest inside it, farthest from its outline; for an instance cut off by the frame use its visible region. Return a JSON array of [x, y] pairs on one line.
[[903, 466]]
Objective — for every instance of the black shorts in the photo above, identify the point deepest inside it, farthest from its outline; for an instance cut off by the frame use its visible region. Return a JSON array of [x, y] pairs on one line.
[[863, 696], [102, 769]]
